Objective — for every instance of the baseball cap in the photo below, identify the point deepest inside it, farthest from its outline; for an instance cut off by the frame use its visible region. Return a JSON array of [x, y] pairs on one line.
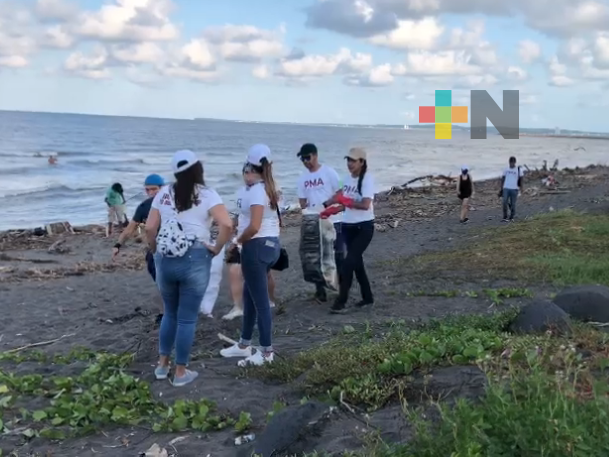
[[356, 154], [183, 160], [307, 149], [154, 180], [257, 153]]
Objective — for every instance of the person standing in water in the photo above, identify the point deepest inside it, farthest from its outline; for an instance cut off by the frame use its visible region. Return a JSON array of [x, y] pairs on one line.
[[465, 191], [511, 184], [357, 197], [152, 185], [115, 200], [316, 187]]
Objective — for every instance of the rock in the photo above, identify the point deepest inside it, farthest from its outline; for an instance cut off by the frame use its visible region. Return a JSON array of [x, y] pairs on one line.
[[380, 227], [287, 428], [539, 317], [395, 224], [585, 303]]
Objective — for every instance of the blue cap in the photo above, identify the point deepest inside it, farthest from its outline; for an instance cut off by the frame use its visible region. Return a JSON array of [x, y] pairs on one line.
[[154, 180]]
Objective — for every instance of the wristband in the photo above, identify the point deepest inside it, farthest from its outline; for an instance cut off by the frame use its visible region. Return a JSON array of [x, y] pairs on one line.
[[117, 245]]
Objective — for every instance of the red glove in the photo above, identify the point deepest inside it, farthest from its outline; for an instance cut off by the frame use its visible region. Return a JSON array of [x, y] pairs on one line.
[[345, 201], [330, 211]]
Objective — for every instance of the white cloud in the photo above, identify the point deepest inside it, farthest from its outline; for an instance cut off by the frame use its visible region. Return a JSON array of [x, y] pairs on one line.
[[443, 63], [315, 66], [57, 37], [245, 43], [261, 72], [56, 10], [410, 34], [138, 53], [377, 77], [529, 51], [93, 66], [16, 42], [517, 74]]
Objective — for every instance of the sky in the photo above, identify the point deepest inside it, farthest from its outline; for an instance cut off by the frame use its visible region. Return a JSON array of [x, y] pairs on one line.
[[326, 61]]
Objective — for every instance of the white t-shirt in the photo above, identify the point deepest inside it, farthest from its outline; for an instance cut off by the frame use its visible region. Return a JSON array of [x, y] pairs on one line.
[[196, 221], [319, 186], [256, 195], [511, 176], [352, 216]]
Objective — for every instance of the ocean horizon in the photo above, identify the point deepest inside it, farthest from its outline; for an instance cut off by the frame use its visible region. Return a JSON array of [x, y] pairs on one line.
[[95, 151]]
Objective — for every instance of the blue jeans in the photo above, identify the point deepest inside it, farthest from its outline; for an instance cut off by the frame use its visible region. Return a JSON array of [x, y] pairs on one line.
[[509, 199], [182, 282], [257, 257]]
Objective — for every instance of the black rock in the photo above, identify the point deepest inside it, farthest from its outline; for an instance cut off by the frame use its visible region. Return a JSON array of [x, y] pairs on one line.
[[585, 303], [539, 317], [287, 428]]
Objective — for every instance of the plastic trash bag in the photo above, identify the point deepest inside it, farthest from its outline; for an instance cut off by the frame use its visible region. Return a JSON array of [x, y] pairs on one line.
[[317, 238]]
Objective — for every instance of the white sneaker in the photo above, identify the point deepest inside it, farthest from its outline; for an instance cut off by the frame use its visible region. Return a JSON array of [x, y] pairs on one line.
[[233, 313], [256, 359], [273, 304], [236, 351]]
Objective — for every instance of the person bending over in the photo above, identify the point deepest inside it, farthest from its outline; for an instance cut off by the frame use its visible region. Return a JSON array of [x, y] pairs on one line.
[[115, 199], [178, 230], [152, 185], [316, 187], [258, 234]]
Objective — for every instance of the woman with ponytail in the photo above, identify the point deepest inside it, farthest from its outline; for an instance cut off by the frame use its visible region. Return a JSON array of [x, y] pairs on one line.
[[357, 197], [258, 234]]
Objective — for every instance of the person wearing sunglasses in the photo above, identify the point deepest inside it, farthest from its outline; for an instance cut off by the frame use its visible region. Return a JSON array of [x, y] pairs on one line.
[[152, 185], [316, 187]]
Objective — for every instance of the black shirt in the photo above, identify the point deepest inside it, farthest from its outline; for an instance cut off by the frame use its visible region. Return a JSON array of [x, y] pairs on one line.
[[142, 211]]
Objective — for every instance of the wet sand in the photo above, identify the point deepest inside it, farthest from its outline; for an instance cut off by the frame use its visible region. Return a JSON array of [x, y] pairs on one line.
[[111, 306]]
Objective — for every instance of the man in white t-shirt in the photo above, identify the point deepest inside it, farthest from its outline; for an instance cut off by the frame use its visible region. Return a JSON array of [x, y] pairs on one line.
[[316, 186], [511, 184]]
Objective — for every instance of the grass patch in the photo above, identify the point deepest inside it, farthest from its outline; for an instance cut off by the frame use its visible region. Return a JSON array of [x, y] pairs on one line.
[[102, 395], [560, 248]]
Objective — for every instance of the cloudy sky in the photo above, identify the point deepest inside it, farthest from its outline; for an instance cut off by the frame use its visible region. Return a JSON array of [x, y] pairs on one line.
[[352, 61]]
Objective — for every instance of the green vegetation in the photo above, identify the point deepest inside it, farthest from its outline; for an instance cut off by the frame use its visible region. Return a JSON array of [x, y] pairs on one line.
[[560, 248], [103, 394]]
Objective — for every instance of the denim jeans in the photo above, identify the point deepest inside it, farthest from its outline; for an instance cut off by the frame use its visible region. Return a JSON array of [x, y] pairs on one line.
[[357, 239], [182, 282], [509, 195], [258, 255]]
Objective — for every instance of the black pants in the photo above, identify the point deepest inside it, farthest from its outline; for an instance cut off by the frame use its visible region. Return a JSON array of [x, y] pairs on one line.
[[357, 239]]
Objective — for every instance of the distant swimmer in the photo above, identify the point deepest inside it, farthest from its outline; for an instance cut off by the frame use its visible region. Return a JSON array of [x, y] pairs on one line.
[[52, 160]]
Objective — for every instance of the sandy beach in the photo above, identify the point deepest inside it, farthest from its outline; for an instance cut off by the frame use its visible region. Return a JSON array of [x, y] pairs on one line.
[[76, 295]]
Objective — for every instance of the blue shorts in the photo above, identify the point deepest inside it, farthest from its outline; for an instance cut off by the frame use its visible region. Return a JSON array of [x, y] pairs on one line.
[[150, 265]]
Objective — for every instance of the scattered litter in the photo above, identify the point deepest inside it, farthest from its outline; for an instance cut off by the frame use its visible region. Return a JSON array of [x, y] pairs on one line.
[[155, 451], [177, 440], [240, 440]]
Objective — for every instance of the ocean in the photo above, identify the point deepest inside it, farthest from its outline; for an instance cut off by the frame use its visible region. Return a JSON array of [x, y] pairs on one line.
[[96, 151]]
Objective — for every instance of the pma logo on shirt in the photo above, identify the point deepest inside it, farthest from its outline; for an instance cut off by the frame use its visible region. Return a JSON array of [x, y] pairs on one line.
[[239, 203], [314, 183]]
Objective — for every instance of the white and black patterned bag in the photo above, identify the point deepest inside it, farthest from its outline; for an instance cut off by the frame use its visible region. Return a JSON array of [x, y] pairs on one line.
[[171, 240]]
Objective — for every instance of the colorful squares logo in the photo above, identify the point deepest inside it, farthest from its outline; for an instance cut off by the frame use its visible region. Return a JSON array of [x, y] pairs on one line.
[[443, 114]]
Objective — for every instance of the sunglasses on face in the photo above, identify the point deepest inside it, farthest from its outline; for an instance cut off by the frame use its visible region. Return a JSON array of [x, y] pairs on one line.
[[305, 158]]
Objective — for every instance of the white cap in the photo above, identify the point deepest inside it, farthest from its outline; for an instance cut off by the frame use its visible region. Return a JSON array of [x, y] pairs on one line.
[[185, 155], [257, 153]]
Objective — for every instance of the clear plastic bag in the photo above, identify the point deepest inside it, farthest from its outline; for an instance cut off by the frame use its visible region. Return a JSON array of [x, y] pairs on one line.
[[317, 237]]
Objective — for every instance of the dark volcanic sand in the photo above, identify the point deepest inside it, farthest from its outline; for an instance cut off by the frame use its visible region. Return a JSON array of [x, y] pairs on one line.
[[98, 306]]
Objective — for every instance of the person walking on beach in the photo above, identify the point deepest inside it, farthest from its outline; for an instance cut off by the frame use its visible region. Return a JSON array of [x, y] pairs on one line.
[[357, 197], [465, 191], [152, 185], [258, 234], [115, 200], [511, 184], [178, 230], [316, 187]]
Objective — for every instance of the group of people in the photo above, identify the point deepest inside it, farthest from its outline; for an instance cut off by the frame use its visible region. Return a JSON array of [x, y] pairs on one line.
[[182, 249], [511, 187]]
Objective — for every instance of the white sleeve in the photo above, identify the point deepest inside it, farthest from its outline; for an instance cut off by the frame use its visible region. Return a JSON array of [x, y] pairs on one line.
[[301, 188], [156, 202], [335, 180], [368, 186], [257, 195], [212, 198]]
